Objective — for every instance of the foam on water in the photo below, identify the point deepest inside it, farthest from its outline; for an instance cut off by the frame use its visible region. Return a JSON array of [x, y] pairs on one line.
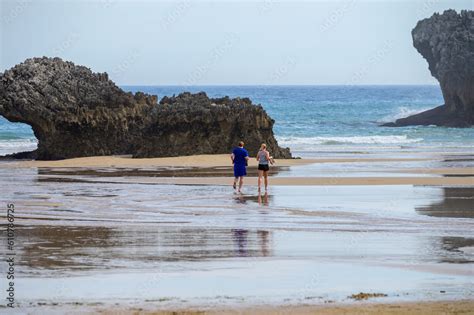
[[18, 145], [402, 112], [308, 143]]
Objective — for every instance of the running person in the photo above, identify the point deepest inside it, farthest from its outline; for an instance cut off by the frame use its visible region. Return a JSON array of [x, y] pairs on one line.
[[239, 157], [264, 159]]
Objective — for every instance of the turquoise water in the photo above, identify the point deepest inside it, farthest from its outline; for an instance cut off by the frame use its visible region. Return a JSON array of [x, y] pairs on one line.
[[15, 137], [320, 118]]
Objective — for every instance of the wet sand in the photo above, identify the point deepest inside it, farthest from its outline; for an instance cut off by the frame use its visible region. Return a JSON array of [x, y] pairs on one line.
[[215, 170], [426, 308], [168, 235], [360, 308], [302, 181]]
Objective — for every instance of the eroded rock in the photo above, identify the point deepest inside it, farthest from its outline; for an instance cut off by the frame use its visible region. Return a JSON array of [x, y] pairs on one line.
[[446, 41], [75, 113]]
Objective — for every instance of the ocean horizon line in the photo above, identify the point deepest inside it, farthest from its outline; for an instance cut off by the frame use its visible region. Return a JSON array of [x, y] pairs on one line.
[[278, 85]]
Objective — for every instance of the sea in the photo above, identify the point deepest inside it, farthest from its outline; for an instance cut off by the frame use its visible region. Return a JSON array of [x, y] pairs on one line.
[[318, 120]]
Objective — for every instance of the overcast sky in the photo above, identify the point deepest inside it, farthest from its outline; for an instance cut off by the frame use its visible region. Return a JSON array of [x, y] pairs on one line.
[[225, 42]]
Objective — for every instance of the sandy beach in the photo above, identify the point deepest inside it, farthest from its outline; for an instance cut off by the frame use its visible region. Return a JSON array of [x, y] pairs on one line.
[[419, 308], [215, 160], [169, 234], [221, 165]]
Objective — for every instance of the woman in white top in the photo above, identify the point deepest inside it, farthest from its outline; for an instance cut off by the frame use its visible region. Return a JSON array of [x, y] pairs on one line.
[[264, 159]]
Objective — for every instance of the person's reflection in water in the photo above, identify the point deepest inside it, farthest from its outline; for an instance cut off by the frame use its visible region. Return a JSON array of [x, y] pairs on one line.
[[263, 200], [240, 236], [263, 238], [240, 199]]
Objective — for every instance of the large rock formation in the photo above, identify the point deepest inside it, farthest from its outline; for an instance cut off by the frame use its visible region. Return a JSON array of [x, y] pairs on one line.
[[190, 123], [446, 41], [75, 112]]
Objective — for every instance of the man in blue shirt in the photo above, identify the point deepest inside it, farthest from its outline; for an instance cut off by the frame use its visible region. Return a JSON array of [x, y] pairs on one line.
[[239, 157]]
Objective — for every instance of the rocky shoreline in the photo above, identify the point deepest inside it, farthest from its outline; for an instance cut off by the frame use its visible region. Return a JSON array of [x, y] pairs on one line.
[[76, 113]]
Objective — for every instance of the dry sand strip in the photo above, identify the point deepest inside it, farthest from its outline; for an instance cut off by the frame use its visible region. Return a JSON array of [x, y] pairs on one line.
[[360, 308], [217, 160], [293, 181]]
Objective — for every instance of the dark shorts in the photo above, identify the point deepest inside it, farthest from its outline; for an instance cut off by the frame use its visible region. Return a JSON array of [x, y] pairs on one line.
[[240, 170], [263, 167]]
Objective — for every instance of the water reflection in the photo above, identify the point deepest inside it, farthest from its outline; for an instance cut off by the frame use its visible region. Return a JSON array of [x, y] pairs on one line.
[[457, 250], [60, 247], [143, 227], [240, 198], [240, 237], [261, 199], [78, 248], [245, 246], [263, 237], [158, 171], [456, 203]]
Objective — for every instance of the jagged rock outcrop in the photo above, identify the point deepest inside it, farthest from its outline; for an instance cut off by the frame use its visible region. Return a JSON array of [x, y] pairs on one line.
[[446, 41], [72, 111], [75, 112], [197, 123]]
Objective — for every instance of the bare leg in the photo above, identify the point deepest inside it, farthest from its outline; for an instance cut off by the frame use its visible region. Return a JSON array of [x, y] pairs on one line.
[[235, 182], [265, 175], [260, 174], [241, 183]]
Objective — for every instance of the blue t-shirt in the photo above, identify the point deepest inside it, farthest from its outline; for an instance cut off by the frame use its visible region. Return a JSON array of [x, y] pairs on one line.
[[239, 156]]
